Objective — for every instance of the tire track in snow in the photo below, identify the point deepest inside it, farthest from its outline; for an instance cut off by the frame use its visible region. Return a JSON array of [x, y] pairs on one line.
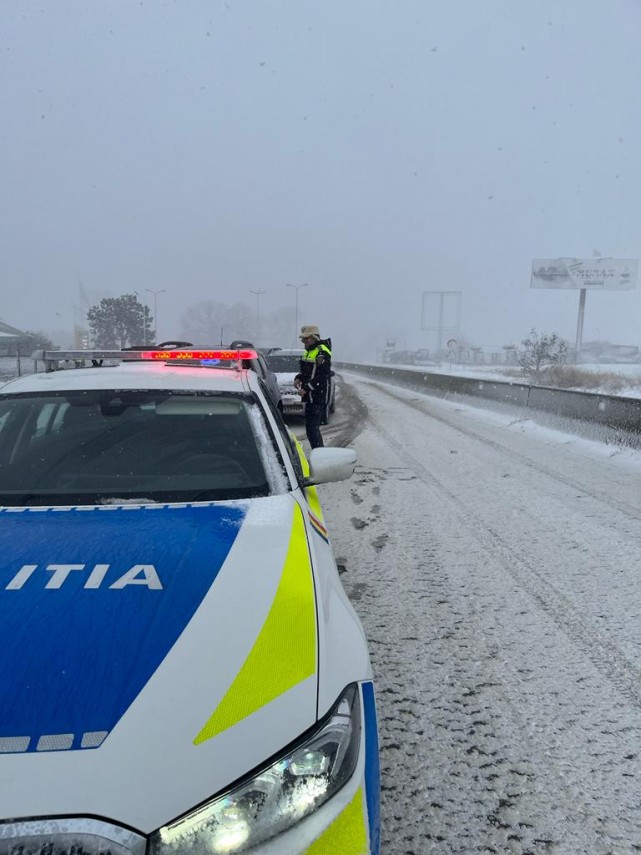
[[599, 496], [455, 777], [604, 655], [498, 733]]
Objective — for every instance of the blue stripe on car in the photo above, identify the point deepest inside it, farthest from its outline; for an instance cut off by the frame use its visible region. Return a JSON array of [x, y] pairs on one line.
[[372, 767], [74, 657]]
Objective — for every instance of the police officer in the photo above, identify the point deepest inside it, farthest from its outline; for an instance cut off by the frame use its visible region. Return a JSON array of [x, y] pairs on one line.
[[313, 381]]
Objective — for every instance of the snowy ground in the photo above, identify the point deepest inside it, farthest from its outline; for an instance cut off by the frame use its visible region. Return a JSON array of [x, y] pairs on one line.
[[495, 565]]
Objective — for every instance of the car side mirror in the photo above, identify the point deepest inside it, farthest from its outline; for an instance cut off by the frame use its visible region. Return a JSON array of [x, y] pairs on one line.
[[330, 464]]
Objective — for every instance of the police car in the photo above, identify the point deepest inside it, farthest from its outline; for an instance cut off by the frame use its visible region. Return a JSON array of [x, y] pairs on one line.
[[181, 670]]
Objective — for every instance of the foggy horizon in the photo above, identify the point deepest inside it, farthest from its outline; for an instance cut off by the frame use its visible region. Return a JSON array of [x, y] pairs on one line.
[[375, 151]]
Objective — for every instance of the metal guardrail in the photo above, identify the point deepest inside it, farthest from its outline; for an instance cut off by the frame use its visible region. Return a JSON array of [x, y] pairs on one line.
[[620, 414]]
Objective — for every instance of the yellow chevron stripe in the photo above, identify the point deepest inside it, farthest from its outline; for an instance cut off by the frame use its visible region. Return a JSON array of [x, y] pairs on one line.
[[347, 834], [284, 653], [314, 503], [310, 492], [301, 454]]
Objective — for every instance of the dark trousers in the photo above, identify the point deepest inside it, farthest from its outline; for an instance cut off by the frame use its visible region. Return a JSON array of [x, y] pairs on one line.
[[313, 415]]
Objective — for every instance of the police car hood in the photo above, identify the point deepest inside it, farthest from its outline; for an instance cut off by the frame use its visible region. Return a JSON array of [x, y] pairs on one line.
[[150, 655]]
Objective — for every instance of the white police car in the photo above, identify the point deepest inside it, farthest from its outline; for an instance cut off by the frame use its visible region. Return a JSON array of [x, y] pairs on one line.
[[181, 670]]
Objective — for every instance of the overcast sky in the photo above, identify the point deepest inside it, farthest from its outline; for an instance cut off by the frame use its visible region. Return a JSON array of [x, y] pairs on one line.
[[375, 149]]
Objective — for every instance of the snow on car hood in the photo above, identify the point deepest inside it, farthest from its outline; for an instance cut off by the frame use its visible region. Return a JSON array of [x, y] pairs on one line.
[[144, 659], [285, 378]]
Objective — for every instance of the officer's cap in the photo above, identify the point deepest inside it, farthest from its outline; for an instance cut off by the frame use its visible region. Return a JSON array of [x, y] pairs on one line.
[[309, 331]]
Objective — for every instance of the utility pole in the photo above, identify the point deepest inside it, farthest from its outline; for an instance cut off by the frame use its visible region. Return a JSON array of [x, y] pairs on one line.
[[297, 287], [156, 293], [579, 326], [258, 296]]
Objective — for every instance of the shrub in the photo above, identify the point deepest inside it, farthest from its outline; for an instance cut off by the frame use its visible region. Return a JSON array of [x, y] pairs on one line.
[[542, 351]]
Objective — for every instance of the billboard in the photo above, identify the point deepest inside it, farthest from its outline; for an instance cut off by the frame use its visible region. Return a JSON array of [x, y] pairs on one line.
[[600, 274], [441, 311]]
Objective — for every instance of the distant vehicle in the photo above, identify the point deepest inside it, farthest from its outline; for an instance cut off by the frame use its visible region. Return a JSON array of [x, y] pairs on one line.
[[422, 357], [402, 357], [286, 364], [193, 670]]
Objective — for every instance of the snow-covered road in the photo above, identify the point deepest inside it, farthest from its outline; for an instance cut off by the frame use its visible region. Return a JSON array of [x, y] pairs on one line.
[[496, 566]]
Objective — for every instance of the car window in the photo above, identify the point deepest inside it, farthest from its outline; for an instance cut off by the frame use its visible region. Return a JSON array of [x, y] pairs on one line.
[[283, 363], [94, 447]]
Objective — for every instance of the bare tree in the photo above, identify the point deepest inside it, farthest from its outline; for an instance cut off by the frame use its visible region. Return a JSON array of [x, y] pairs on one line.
[[279, 329], [240, 322], [541, 351], [204, 322], [210, 322]]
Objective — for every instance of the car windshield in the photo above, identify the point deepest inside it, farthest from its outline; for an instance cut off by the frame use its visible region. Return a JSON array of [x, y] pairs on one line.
[[105, 446], [282, 362]]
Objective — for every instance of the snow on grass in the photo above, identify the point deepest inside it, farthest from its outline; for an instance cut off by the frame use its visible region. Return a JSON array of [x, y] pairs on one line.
[[623, 380]]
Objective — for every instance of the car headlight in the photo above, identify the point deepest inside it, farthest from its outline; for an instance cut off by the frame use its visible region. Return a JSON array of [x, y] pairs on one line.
[[277, 797]]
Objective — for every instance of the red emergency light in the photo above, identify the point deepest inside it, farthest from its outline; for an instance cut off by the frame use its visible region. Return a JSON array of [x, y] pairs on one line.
[[224, 355]]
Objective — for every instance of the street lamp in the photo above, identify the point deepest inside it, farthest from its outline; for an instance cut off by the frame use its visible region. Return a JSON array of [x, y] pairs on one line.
[[156, 293], [258, 296], [297, 287]]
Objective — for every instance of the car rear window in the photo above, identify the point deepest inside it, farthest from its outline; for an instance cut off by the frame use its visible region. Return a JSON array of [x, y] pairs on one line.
[[281, 363], [103, 446]]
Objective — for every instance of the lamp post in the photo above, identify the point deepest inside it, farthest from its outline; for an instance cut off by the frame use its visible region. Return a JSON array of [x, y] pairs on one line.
[[297, 287], [156, 293], [258, 296]]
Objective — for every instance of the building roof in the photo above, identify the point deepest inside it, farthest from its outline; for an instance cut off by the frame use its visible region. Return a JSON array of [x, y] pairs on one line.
[[10, 332]]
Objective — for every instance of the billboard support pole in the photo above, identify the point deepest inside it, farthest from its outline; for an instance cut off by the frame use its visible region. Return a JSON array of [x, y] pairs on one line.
[[579, 325], [440, 321], [447, 313]]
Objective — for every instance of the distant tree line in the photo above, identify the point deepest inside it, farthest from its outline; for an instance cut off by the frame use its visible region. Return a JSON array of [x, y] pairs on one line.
[[117, 322]]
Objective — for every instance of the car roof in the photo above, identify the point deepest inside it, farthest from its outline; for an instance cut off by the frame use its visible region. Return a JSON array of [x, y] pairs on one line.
[[148, 375], [290, 351]]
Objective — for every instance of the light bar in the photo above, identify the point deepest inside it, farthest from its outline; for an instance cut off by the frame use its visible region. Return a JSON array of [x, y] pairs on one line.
[[53, 358], [165, 355]]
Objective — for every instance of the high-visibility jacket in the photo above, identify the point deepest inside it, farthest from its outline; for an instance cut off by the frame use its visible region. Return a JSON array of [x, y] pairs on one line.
[[315, 372]]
